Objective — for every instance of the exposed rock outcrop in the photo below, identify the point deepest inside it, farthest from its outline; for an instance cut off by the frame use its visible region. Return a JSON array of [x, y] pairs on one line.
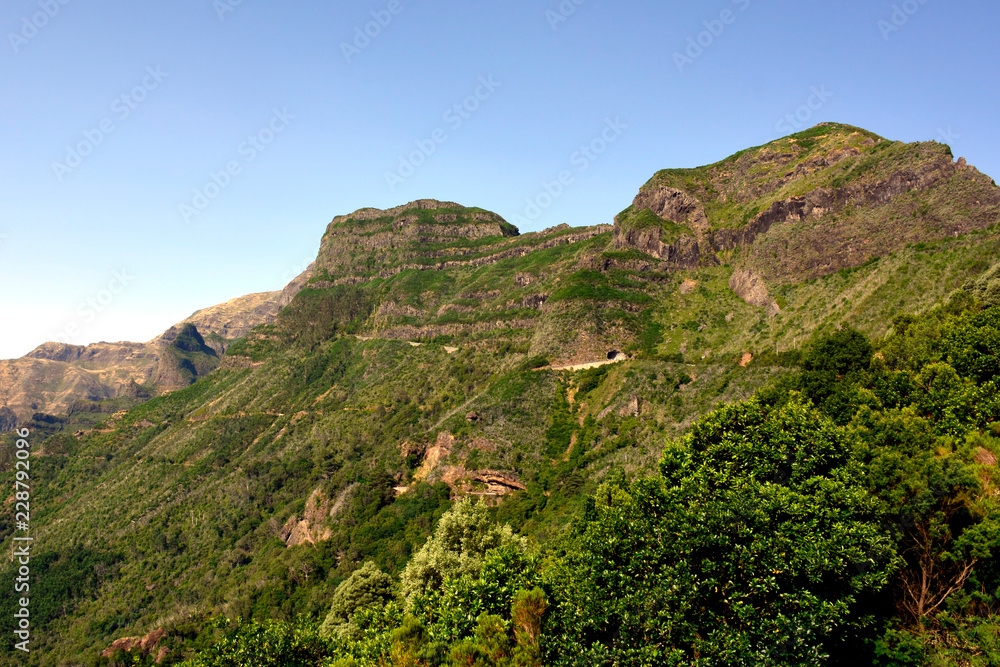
[[145, 645], [751, 288], [487, 483], [685, 252], [312, 526], [673, 204], [852, 185]]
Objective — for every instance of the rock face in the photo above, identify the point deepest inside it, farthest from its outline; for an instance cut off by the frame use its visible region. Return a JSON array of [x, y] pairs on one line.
[[98, 355], [185, 359], [683, 253], [57, 352], [145, 645], [751, 288], [423, 235], [485, 483], [54, 376], [673, 204], [370, 240], [311, 528], [801, 207]]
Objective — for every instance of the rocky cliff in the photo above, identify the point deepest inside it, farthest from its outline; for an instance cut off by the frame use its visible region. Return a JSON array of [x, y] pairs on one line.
[[830, 198]]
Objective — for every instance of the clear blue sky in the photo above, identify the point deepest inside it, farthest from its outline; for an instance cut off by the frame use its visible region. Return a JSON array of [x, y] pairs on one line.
[[200, 78]]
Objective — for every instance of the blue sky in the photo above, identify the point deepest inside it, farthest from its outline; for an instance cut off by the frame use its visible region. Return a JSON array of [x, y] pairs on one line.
[[157, 157]]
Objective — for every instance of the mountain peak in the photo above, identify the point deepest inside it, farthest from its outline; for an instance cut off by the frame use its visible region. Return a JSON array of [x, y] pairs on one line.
[[836, 194], [372, 240], [423, 212]]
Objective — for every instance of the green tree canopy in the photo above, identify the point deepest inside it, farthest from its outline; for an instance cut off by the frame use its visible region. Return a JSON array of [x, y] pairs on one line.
[[462, 537], [367, 588], [753, 548]]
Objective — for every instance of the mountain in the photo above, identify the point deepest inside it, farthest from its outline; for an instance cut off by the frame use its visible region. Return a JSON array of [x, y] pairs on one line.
[[830, 198], [54, 377], [767, 220], [434, 352]]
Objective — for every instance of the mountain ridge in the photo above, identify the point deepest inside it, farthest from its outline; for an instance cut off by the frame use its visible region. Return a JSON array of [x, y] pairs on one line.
[[54, 376], [436, 271], [830, 198], [422, 361]]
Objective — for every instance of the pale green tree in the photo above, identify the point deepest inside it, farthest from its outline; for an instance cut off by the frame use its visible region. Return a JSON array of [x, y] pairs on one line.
[[462, 537]]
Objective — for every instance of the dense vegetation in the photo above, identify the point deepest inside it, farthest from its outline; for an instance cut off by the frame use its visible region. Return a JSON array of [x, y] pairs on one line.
[[846, 514], [845, 510]]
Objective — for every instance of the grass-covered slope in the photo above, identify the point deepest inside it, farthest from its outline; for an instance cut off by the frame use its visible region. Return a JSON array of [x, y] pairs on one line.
[[847, 514], [416, 367], [810, 204], [257, 489]]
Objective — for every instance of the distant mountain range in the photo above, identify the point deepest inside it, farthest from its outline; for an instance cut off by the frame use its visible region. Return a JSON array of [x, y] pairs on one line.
[[54, 376]]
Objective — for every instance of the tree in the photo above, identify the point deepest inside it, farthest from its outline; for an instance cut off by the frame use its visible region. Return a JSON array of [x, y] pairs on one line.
[[462, 538], [267, 644], [367, 588], [843, 352], [972, 344], [986, 287], [526, 612], [752, 548]]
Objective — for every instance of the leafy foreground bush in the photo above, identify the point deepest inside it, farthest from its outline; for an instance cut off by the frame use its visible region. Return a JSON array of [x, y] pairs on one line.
[[744, 552], [367, 588]]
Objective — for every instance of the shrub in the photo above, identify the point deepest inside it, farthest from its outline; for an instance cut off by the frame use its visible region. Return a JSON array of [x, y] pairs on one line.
[[367, 588]]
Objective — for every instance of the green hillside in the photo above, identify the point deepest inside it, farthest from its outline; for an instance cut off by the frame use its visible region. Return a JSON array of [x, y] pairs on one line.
[[733, 428]]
